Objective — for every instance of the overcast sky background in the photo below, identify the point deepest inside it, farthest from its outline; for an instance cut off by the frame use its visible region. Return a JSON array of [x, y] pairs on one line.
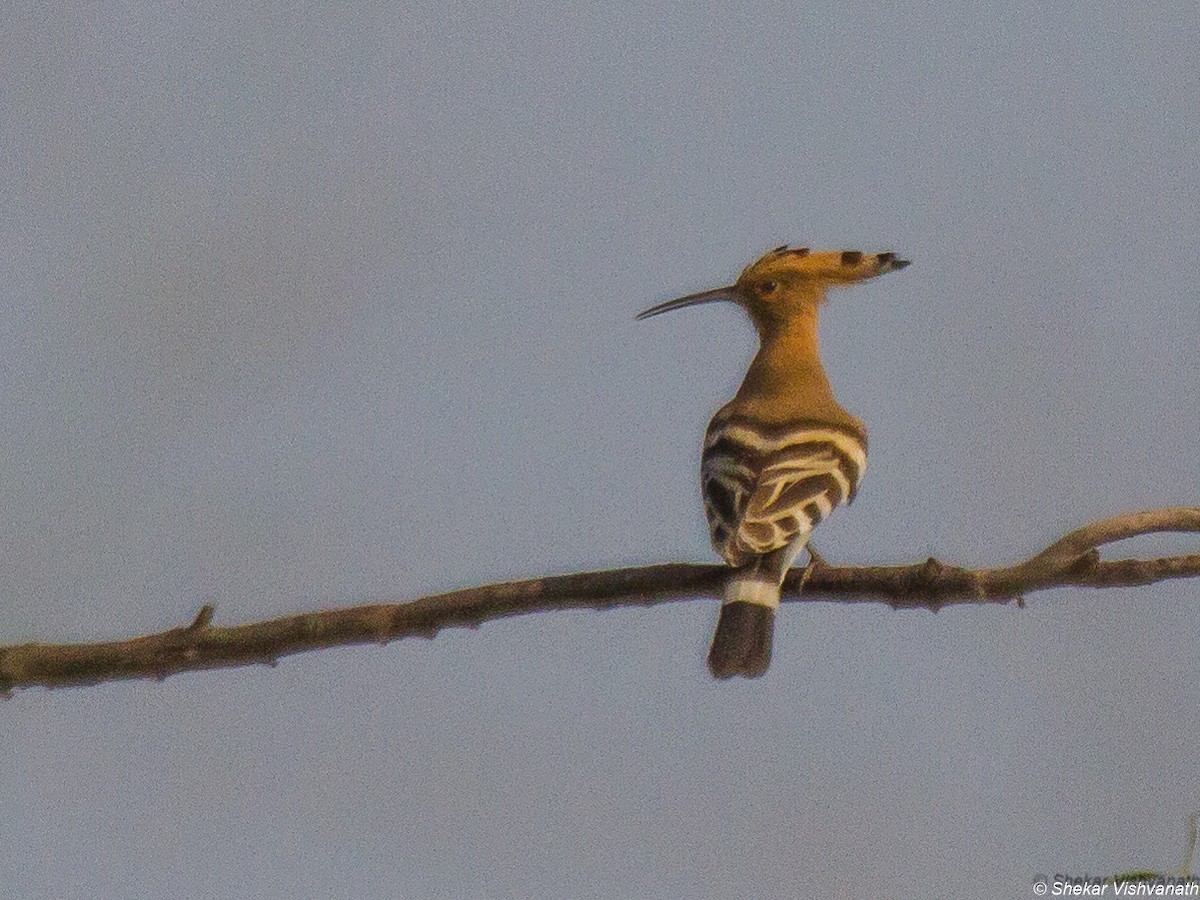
[[321, 304]]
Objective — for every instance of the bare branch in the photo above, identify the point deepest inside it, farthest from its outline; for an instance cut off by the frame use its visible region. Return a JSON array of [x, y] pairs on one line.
[[1074, 560]]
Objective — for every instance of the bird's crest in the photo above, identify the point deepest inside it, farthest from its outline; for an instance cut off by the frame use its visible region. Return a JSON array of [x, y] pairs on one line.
[[818, 268]]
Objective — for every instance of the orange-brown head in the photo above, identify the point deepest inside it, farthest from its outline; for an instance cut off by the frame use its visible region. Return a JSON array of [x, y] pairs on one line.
[[790, 282]]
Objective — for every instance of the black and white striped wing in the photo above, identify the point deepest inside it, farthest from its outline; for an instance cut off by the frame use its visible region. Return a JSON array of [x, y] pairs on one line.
[[766, 486]]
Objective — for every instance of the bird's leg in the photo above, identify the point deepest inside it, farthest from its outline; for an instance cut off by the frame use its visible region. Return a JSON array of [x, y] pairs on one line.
[[814, 559]]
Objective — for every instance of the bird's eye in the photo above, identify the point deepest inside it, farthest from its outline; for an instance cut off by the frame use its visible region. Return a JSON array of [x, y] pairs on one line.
[[768, 287]]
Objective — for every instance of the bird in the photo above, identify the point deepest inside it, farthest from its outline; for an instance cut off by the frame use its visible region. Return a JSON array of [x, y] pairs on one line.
[[783, 453]]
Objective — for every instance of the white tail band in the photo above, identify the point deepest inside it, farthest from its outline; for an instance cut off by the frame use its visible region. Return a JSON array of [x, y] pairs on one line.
[[749, 590]]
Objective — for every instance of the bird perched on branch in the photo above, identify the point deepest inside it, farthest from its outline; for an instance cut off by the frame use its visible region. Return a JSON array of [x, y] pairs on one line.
[[783, 453]]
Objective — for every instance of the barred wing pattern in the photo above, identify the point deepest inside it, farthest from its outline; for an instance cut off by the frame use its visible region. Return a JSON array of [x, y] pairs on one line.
[[765, 486]]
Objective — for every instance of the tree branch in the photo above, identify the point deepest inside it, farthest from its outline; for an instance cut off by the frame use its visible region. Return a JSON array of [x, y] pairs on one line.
[[1073, 560]]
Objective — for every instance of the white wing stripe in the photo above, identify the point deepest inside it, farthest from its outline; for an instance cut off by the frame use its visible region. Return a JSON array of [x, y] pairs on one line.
[[750, 438], [743, 487]]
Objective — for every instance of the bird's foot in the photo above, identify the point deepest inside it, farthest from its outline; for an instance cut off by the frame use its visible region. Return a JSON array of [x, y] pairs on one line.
[[815, 558]]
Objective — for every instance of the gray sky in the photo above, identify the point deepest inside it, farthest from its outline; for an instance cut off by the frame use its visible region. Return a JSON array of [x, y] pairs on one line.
[[324, 304]]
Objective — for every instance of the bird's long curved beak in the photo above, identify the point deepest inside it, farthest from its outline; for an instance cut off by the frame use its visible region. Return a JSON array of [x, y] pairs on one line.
[[721, 293]]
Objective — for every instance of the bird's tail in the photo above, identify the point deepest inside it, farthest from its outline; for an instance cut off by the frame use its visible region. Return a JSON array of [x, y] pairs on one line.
[[742, 642]]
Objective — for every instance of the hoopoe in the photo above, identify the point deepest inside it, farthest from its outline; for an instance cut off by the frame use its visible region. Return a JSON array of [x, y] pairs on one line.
[[783, 453]]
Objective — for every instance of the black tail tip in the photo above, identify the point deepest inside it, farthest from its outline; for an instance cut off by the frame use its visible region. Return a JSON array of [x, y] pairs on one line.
[[742, 642]]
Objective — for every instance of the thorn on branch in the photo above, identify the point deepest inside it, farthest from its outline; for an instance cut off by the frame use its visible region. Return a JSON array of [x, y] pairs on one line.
[[203, 618], [925, 588], [932, 569]]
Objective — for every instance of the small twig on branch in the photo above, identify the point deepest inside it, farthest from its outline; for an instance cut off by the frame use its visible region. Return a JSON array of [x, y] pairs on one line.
[[1070, 561]]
